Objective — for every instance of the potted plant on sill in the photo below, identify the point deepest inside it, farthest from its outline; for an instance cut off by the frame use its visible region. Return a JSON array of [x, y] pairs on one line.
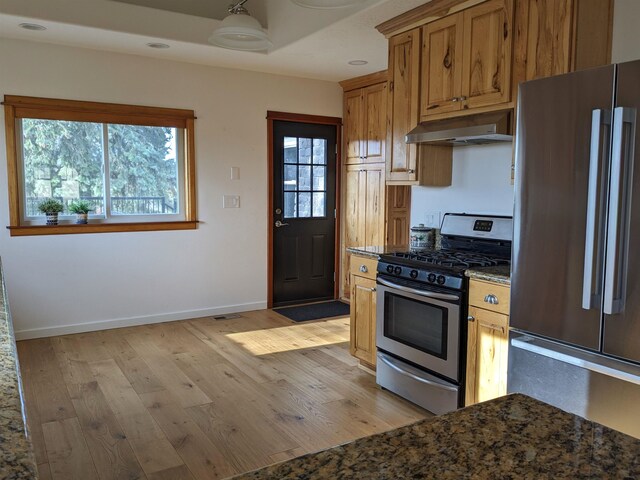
[[81, 208], [51, 208]]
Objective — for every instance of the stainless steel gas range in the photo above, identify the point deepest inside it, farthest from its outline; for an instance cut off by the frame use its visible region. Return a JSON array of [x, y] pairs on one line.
[[421, 315]]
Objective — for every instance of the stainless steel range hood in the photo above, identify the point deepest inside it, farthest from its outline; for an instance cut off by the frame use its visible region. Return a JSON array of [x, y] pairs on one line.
[[471, 130]]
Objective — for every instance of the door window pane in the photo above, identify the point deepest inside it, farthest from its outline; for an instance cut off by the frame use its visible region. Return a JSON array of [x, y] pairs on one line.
[[62, 160], [319, 174], [290, 150], [143, 170], [304, 150], [290, 205], [290, 177], [304, 204], [319, 204], [319, 151], [304, 177]]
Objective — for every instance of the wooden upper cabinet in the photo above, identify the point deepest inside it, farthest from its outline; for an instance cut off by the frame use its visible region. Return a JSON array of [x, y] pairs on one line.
[[365, 127], [466, 59], [352, 129], [403, 105], [553, 37], [374, 123], [441, 66], [486, 63]]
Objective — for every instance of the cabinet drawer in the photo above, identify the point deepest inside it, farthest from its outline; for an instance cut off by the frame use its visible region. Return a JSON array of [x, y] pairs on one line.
[[489, 296], [363, 267]]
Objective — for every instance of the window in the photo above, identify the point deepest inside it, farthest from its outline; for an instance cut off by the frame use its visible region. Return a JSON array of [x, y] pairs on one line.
[[133, 165], [305, 173]]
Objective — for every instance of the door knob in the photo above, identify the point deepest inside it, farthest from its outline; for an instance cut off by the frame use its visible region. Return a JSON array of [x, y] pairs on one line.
[[280, 224]]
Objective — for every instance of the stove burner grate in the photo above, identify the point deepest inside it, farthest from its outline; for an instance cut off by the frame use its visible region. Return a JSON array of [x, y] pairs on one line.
[[452, 259]]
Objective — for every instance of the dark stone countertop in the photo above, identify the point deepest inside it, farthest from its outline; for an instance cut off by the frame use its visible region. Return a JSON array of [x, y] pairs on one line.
[[374, 251], [16, 452], [498, 274], [509, 438]]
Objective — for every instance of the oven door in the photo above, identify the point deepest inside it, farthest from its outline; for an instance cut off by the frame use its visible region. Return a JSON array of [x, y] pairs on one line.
[[420, 326]]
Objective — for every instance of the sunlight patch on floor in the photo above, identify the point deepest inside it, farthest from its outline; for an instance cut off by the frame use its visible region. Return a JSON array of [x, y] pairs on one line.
[[292, 337]]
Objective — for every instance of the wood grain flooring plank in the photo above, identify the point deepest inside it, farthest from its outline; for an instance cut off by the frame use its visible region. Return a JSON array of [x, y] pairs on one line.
[[69, 457], [150, 445], [166, 371], [44, 472], [111, 452], [203, 458], [52, 399], [287, 455], [176, 473]]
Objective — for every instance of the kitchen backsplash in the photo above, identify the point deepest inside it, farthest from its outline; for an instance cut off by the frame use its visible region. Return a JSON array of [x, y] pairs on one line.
[[481, 184]]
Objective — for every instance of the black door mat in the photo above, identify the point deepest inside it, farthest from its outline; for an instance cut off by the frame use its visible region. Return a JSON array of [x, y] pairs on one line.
[[314, 311]]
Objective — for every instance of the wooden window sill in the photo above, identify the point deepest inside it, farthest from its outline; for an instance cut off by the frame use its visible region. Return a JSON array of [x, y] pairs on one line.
[[27, 230]]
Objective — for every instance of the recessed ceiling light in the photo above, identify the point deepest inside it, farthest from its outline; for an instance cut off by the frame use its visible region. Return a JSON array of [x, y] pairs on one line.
[[358, 62], [32, 26], [157, 45]]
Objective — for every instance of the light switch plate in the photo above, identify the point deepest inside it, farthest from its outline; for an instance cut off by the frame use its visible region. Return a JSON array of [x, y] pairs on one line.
[[235, 173], [231, 201], [432, 219]]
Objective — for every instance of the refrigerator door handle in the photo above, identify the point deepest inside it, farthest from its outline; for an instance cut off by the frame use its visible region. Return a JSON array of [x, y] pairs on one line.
[[591, 299], [619, 205]]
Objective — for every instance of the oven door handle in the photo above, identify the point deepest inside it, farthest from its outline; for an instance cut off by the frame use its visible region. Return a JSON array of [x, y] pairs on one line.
[[386, 360], [422, 293]]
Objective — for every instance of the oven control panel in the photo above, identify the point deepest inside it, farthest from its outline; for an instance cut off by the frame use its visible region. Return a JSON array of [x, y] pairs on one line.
[[422, 275]]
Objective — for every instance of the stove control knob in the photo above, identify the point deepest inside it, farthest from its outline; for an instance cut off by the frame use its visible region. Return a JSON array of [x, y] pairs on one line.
[[441, 279], [414, 274], [397, 270], [390, 268], [431, 277]]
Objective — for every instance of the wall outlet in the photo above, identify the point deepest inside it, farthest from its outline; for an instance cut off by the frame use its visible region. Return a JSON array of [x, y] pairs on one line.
[[432, 219], [235, 173], [231, 201]]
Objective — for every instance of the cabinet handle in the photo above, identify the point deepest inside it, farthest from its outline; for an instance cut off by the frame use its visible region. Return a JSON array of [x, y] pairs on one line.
[[372, 289], [462, 98], [364, 269], [455, 99], [411, 170], [471, 318], [491, 299]]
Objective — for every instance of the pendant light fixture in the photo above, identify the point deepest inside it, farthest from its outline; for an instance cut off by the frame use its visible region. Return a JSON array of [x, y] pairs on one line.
[[240, 31], [327, 4]]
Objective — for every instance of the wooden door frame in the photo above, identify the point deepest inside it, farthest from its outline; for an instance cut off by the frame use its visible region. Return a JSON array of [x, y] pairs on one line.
[[300, 118]]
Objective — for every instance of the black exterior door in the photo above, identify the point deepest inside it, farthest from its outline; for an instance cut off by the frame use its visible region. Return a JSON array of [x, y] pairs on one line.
[[304, 202]]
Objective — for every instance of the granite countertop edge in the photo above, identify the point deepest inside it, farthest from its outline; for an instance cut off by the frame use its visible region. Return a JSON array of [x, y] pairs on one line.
[[497, 274], [17, 460]]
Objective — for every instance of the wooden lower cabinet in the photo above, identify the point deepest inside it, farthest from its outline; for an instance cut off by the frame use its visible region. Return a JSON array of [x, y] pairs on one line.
[[487, 345], [363, 310]]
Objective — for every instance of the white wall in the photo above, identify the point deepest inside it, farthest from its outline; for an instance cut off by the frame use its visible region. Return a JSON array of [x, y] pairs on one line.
[[626, 32], [481, 183], [125, 278]]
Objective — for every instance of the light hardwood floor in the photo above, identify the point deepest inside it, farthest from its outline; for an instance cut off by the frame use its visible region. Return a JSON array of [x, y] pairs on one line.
[[198, 399]]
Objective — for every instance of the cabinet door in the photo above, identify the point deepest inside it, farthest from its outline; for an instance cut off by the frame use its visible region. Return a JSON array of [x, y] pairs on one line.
[[441, 66], [353, 215], [372, 196], [374, 123], [487, 352], [403, 104], [397, 216], [353, 131], [487, 44], [548, 38], [363, 315]]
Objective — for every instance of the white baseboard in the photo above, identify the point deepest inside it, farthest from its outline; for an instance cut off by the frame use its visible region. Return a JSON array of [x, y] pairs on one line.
[[133, 321]]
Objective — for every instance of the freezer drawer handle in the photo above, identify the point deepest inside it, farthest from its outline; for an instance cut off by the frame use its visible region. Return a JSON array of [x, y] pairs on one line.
[[595, 197], [386, 360], [615, 291]]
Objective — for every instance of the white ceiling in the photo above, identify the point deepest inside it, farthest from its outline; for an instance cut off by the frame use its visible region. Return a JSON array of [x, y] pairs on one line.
[[307, 43]]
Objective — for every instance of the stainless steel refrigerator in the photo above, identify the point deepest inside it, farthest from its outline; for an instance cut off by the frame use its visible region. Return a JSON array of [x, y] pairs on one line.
[[575, 284]]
